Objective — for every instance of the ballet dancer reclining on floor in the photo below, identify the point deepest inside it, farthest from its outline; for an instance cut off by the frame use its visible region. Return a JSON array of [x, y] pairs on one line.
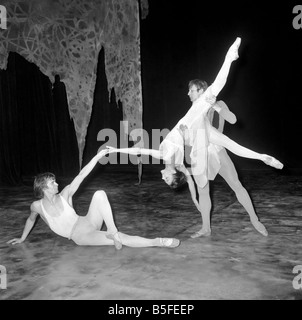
[[56, 209], [207, 156]]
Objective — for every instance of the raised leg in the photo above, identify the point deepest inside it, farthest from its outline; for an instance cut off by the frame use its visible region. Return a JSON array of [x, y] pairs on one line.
[[100, 211], [220, 139]]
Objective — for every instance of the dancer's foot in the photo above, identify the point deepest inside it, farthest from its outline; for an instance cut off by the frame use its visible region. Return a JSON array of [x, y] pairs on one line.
[[169, 242], [271, 161], [233, 51], [116, 239], [259, 227], [237, 42], [201, 233]]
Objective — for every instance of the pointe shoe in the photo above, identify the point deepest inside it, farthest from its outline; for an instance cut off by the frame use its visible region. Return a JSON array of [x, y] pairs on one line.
[[271, 161], [260, 227], [233, 51], [169, 242], [116, 239], [201, 233], [237, 42]]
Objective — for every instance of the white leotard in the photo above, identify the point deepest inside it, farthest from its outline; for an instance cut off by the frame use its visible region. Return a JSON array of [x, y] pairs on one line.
[[63, 223]]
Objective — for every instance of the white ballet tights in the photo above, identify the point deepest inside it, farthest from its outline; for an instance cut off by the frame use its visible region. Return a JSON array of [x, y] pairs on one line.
[[220, 139]]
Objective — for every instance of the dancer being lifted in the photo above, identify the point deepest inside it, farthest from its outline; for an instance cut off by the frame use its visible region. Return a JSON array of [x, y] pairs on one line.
[[196, 131]]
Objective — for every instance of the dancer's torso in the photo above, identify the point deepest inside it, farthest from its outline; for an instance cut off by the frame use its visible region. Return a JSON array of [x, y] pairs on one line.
[[62, 223], [193, 130]]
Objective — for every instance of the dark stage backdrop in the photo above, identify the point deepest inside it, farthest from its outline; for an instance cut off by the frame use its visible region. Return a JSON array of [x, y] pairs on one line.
[[36, 133], [179, 42], [189, 39]]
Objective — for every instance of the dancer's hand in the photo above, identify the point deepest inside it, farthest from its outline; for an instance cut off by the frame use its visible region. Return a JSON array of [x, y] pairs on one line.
[[183, 129], [102, 153], [111, 149], [211, 99], [232, 54], [15, 241]]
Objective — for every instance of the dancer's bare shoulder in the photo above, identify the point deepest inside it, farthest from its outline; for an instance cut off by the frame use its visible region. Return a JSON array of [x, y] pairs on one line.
[[35, 207]]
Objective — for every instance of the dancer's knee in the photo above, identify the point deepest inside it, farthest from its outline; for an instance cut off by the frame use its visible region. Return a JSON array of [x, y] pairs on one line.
[[100, 194], [78, 239]]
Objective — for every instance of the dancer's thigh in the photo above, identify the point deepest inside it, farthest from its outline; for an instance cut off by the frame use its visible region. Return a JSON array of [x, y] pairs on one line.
[[85, 233], [218, 138], [227, 169]]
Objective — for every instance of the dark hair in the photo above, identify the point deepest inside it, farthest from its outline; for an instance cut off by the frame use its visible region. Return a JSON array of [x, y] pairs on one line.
[[199, 84], [40, 183], [179, 181]]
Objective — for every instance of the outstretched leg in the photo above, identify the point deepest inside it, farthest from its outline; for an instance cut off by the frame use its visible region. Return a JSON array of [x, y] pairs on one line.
[[85, 237], [229, 174], [140, 242], [220, 139]]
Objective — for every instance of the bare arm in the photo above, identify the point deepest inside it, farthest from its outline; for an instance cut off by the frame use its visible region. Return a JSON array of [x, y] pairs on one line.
[[138, 151], [28, 226], [225, 112], [193, 191], [221, 78], [191, 185], [71, 189]]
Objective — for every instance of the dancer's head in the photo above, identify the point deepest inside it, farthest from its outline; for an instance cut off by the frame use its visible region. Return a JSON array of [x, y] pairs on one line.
[[196, 88], [174, 178], [44, 181]]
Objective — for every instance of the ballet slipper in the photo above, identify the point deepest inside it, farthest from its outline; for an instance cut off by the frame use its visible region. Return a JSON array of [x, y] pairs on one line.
[[259, 227], [233, 50], [201, 233], [237, 42], [271, 161], [116, 239], [169, 242]]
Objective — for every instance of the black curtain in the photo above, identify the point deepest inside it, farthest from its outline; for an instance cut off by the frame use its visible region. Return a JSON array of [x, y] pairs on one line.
[[67, 146], [106, 112], [184, 42], [36, 133]]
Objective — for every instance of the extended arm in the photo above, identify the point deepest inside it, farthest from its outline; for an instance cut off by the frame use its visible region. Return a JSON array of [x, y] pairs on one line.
[[137, 151], [191, 185], [70, 190], [27, 228], [221, 78], [192, 191]]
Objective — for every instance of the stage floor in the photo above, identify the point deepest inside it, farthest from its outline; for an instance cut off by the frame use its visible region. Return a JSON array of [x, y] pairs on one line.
[[235, 262]]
